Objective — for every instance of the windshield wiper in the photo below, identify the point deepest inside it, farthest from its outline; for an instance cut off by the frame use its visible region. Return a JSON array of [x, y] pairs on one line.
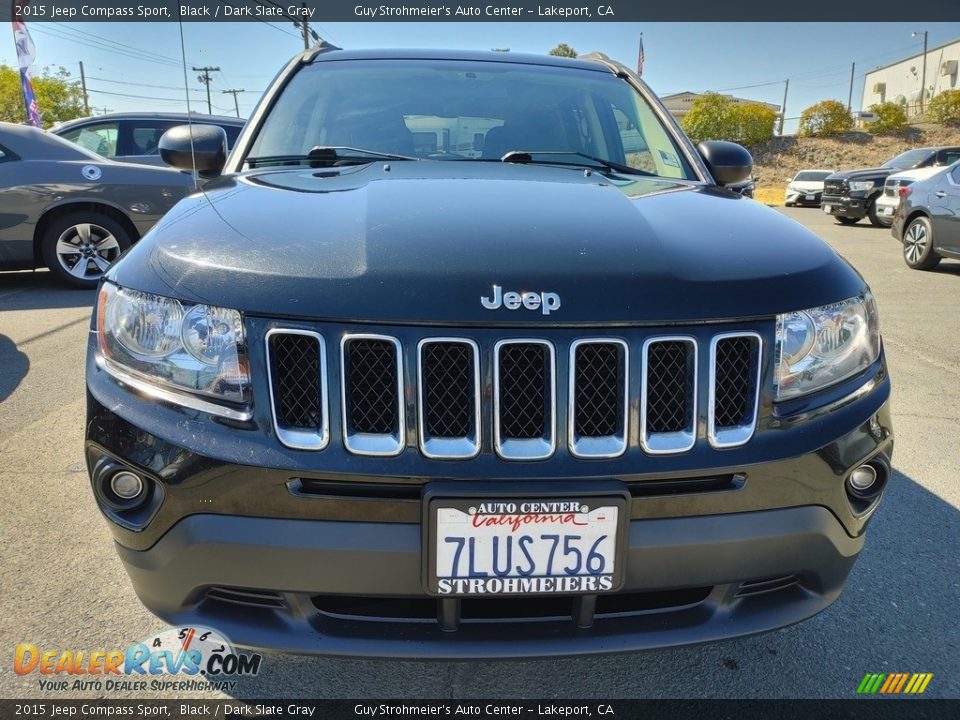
[[527, 156], [325, 155]]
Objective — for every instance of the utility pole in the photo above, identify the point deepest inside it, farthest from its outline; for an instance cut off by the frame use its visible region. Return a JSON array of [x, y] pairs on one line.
[[783, 108], [923, 78], [235, 103], [206, 80], [83, 84], [853, 67]]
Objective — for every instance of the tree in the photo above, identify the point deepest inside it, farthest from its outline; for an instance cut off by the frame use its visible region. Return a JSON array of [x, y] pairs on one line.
[[58, 97], [716, 117], [891, 118], [945, 108], [563, 50], [829, 117]]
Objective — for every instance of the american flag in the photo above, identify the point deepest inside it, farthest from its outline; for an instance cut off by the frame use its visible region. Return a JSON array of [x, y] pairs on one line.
[[640, 57], [25, 55]]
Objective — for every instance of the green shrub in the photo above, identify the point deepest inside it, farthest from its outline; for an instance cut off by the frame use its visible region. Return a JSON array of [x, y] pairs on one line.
[[945, 108], [829, 117], [755, 122], [715, 117], [891, 118]]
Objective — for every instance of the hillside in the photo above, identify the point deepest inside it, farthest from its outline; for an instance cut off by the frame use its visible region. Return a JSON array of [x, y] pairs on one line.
[[782, 157]]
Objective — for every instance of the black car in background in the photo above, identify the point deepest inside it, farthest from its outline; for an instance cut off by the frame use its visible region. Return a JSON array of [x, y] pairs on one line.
[[134, 136], [850, 195], [927, 221], [436, 367]]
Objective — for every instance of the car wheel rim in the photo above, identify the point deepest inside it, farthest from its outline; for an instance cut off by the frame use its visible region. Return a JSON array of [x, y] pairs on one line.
[[86, 250], [916, 242]]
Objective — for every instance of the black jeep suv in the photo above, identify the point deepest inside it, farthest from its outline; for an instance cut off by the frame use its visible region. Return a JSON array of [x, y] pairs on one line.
[[850, 195], [434, 366]]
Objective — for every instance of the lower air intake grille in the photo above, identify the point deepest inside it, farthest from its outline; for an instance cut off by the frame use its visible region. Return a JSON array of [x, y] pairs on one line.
[[372, 399]]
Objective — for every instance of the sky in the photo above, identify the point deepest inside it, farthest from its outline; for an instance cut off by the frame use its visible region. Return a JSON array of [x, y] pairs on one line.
[[136, 66]]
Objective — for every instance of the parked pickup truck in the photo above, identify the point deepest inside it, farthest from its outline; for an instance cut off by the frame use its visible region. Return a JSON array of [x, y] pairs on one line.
[[850, 195]]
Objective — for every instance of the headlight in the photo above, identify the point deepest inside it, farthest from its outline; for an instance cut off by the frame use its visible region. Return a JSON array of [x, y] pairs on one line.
[[858, 185], [824, 345], [195, 348]]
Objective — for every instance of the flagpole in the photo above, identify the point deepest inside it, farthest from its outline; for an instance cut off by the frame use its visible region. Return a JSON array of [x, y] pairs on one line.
[[640, 57], [25, 55]]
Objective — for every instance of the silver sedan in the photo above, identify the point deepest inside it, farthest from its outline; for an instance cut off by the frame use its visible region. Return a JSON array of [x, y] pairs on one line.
[[72, 211]]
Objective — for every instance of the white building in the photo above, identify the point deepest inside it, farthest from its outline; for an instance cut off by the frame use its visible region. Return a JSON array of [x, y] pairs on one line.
[[900, 82], [679, 103]]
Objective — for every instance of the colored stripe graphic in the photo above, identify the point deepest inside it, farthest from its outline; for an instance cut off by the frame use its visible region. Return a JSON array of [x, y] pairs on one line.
[[894, 683]]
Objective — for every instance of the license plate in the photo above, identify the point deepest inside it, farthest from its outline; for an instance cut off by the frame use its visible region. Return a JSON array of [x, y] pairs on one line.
[[827, 208], [525, 546], [810, 197]]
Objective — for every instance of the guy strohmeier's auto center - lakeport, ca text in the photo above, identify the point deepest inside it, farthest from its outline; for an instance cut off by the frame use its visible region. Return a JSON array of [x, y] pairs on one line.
[[467, 11], [217, 10]]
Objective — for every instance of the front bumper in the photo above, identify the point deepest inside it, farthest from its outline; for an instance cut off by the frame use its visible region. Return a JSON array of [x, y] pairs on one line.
[[798, 197], [844, 206], [277, 555], [335, 588]]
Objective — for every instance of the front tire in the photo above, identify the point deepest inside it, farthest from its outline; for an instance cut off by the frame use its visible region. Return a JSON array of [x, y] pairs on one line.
[[79, 247], [918, 252]]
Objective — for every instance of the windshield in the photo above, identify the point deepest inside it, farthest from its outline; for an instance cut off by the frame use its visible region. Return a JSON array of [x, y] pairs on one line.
[[909, 159], [812, 175], [467, 110]]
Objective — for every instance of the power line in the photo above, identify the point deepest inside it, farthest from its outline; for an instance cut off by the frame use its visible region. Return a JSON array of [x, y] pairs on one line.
[[67, 29], [137, 97], [97, 46], [138, 84]]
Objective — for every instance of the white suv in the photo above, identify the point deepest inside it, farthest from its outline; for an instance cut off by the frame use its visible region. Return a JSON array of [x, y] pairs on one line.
[[890, 198]]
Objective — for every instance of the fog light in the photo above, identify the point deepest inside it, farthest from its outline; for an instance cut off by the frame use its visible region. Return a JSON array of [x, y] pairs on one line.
[[126, 485], [863, 478]]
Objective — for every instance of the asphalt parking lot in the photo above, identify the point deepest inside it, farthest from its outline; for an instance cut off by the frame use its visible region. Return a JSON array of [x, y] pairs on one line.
[[64, 588]]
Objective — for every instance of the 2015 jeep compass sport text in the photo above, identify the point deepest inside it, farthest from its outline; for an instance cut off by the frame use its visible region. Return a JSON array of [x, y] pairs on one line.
[[473, 355]]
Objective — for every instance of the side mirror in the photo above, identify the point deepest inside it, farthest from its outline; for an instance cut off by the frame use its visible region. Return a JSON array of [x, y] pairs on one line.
[[727, 162], [209, 148]]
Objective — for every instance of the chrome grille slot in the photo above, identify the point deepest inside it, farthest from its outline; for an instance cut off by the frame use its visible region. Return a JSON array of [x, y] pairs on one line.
[[448, 382], [372, 381], [297, 376], [668, 395], [834, 187], [734, 388], [524, 397], [598, 398]]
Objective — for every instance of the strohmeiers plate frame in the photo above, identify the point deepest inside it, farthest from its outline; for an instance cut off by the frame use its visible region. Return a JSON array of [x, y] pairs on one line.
[[447, 494]]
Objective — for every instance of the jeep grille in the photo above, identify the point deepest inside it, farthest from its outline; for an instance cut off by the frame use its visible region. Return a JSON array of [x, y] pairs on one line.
[[469, 391]]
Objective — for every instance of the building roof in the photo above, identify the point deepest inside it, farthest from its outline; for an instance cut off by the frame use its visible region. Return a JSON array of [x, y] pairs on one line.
[[910, 57]]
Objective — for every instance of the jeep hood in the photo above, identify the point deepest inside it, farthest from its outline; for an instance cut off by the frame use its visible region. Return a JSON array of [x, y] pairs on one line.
[[423, 242]]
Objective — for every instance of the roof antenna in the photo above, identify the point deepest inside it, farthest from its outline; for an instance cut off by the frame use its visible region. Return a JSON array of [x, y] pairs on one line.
[[186, 91]]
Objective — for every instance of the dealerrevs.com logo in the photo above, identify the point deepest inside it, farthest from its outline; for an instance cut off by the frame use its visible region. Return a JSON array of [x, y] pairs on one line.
[[178, 659]]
